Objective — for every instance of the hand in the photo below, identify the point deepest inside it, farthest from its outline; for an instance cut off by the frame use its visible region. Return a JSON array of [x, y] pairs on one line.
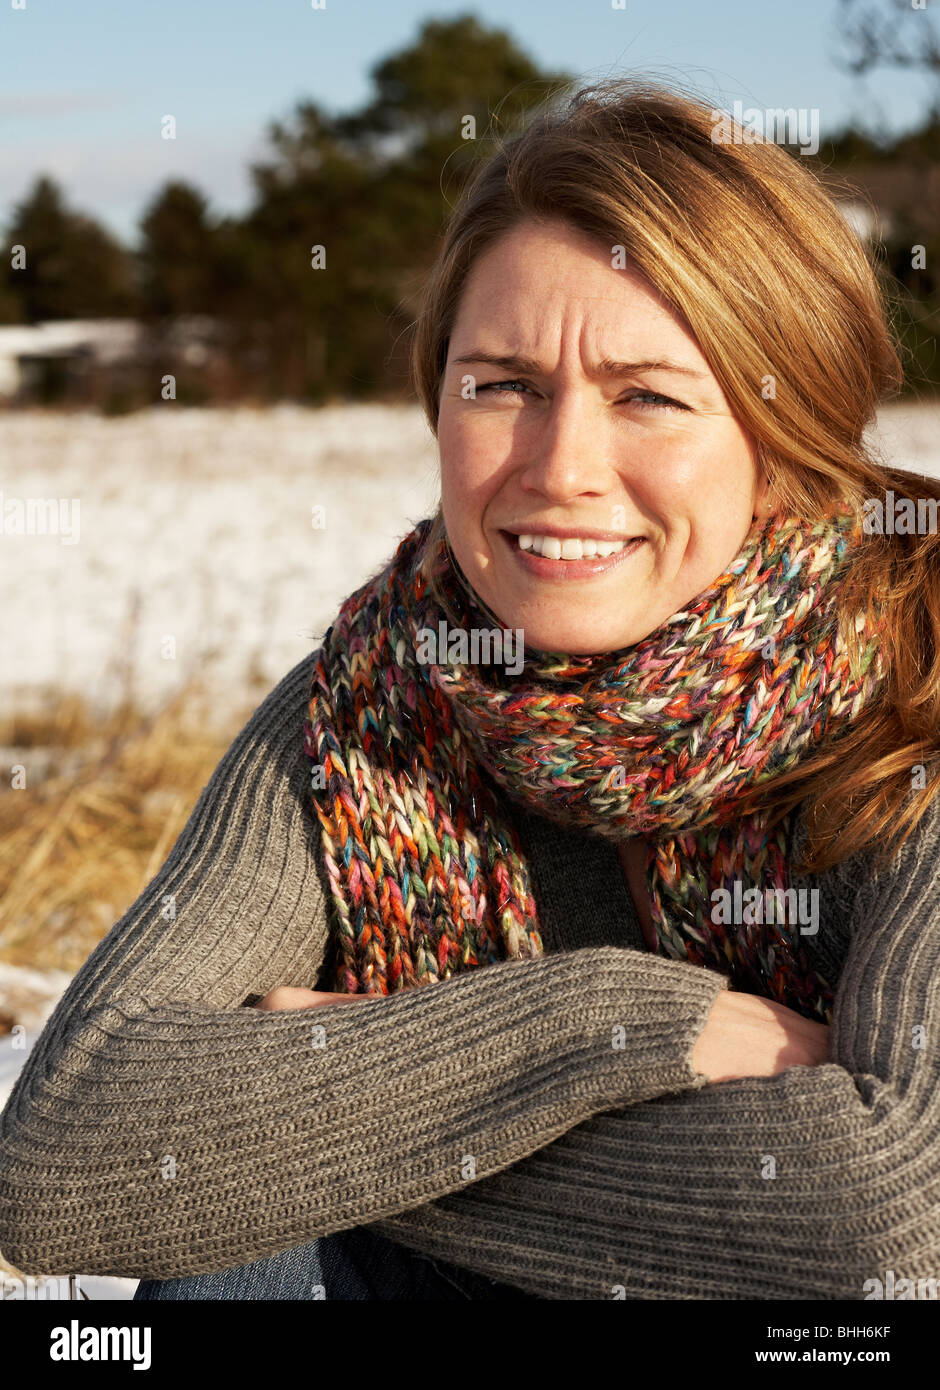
[[293, 997], [745, 1035]]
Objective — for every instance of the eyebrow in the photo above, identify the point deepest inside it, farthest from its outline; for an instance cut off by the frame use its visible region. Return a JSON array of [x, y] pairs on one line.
[[608, 367]]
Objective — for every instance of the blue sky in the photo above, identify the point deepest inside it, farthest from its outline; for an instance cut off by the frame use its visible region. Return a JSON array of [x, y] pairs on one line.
[[83, 86]]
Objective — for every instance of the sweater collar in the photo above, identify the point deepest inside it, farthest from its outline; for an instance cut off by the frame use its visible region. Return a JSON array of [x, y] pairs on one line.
[[578, 885], [583, 898]]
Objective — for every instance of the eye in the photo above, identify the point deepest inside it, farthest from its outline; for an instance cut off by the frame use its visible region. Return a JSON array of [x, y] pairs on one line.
[[500, 387], [648, 399], [653, 398]]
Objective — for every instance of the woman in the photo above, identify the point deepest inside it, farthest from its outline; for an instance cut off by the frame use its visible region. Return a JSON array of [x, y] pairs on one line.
[[630, 753]]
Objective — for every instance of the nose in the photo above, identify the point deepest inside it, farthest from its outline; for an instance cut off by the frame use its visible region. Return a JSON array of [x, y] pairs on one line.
[[568, 455]]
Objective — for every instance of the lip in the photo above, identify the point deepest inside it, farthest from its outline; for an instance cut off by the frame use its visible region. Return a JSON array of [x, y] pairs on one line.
[[567, 534], [543, 568]]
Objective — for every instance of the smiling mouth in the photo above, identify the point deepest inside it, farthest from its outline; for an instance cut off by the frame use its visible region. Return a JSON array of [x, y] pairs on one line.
[[569, 548], [555, 559]]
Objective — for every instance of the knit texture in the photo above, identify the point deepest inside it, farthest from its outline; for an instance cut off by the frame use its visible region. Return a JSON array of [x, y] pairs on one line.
[[805, 1185], [676, 738], [594, 1167]]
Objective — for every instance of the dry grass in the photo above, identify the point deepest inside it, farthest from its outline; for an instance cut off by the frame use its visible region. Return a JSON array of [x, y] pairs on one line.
[[104, 801], [78, 848]]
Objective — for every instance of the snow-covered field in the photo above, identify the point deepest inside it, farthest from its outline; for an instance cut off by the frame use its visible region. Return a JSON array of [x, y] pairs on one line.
[[908, 436], [205, 521]]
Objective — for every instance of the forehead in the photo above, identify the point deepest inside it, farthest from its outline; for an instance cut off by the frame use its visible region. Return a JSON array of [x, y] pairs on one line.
[[543, 280]]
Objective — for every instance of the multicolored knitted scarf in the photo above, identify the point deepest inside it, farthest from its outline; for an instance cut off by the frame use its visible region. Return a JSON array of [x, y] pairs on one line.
[[670, 739]]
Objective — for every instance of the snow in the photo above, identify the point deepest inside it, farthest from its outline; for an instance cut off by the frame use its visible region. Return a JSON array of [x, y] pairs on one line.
[[28, 997], [205, 520]]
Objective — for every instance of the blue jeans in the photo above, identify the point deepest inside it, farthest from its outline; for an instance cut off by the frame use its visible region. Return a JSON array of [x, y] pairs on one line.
[[356, 1263]]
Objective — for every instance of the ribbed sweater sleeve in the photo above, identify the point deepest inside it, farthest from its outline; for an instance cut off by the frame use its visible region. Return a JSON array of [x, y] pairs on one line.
[[799, 1186], [159, 1128]]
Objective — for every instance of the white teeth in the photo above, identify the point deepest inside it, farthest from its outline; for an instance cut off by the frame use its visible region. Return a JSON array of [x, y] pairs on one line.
[[572, 548]]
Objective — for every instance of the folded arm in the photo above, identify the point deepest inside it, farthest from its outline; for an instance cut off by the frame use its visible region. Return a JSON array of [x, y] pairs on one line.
[[158, 1128], [802, 1185]]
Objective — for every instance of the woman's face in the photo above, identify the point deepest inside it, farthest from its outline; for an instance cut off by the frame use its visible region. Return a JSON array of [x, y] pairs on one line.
[[554, 443]]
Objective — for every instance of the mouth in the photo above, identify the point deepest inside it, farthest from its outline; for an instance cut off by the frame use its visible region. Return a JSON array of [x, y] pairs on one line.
[[554, 553]]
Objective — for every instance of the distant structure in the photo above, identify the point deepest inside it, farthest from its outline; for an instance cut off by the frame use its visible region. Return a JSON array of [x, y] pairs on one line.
[[56, 358], [33, 354]]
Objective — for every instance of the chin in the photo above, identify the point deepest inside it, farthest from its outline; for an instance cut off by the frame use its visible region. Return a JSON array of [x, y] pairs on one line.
[[578, 638]]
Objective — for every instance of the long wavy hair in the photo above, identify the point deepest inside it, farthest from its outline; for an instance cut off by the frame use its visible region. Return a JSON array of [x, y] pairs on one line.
[[749, 246]]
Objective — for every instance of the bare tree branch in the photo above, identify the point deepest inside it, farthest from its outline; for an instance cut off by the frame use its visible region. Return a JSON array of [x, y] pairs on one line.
[[886, 33]]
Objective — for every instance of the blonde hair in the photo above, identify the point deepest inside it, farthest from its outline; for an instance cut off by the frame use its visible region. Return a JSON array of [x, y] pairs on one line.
[[746, 244]]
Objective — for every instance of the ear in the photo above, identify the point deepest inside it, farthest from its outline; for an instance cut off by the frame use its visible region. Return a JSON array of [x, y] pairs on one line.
[[763, 500]]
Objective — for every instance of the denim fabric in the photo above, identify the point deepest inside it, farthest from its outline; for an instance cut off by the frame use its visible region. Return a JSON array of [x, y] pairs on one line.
[[349, 1264]]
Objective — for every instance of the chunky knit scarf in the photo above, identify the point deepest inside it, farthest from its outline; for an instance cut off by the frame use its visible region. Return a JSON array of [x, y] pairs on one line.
[[669, 739]]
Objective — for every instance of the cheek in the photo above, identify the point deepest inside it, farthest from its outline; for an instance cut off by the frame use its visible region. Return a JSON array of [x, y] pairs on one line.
[[699, 477], [469, 478], [668, 478]]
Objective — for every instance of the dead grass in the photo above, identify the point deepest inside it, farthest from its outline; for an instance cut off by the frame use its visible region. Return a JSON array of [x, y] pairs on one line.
[[104, 800], [77, 848]]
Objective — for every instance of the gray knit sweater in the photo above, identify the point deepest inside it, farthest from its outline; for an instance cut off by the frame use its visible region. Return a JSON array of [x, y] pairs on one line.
[[159, 1128]]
